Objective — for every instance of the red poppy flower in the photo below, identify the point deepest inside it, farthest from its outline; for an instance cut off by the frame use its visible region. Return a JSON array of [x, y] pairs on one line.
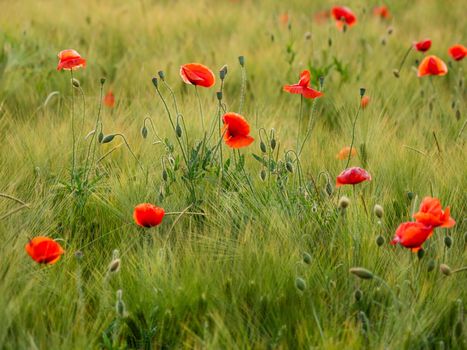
[[236, 131], [364, 101], [303, 87], [44, 250], [422, 46], [197, 74], [432, 214], [343, 16], [432, 65], [70, 60], [382, 11], [344, 153], [284, 18], [412, 235], [352, 176], [109, 99], [457, 52], [148, 215]]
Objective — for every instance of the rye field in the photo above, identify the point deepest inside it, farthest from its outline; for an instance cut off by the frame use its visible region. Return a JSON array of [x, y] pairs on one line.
[[233, 174]]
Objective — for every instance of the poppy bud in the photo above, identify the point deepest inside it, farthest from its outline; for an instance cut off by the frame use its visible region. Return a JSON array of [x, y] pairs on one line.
[[100, 137], [358, 295], [219, 95], [79, 255], [300, 284], [102, 81], [361, 273], [223, 72], [307, 36], [321, 81], [289, 167], [431, 265], [461, 82], [383, 41], [453, 104], [154, 81], [120, 306], [329, 42], [306, 258], [241, 60], [445, 269], [161, 75], [114, 266], [108, 138], [362, 92], [380, 240], [178, 130], [344, 202], [390, 30], [364, 320], [144, 132], [262, 174], [458, 114], [75, 83], [448, 241], [396, 73], [420, 254], [410, 195], [378, 210], [273, 143], [164, 175], [262, 146]]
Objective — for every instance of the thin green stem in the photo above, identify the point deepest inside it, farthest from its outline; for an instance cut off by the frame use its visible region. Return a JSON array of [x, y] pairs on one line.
[[200, 109], [299, 122]]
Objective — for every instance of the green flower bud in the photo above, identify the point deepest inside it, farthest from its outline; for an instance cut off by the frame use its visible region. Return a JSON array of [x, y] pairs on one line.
[[300, 284], [361, 273]]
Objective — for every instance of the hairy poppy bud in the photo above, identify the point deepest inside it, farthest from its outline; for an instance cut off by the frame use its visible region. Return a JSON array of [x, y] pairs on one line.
[[445, 269], [289, 167], [219, 95], [223, 72], [178, 130], [306, 258], [154, 82], [448, 241], [102, 81], [100, 137], [241, 60], [262, 146], [362, 92], [108, 138], [329, 42], [396, 73], [420, 253], [273, 143], [120, 306], [431, 265], [380, 240], [262, 174], [410, 195], [114, 266], [344, 202], [300, 284], [329, 189], [79, 255], [358, 295], [307, 36], [144, 132], [378, 210], [164, 175], [361, 273], [161, 75], [75, 83]]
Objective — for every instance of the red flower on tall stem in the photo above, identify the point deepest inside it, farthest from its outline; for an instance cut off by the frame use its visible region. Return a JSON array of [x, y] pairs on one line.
[[457, 52], [303, 86], [423, 45], [352, 176], [236, 131], [148, 215], [70, 60], [44, 250], [432, 65], [412, 235], [343, 16], [197, 74], [432, 214]]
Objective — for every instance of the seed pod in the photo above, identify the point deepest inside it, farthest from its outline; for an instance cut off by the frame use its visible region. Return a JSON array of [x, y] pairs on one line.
[[262, 146], [161, 75], [306, 258], [448, 241], [289, 167], [144, 131], [445, 269], [154, 82], [378, 210], [108, 138], [458, 114], [344, 202], [358, 294], [410, 195], [380, 240], [361, 273], [300, 284]]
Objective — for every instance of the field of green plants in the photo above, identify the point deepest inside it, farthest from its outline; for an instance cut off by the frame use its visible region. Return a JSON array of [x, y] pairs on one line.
[[301, 186]]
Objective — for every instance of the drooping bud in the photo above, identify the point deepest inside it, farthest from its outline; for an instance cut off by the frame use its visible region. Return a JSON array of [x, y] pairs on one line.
[[329, 189], [358, 294], [380, 240], [262, 146], [241, 60], [114, 266], [102, 81], [289, 167], [390, 30], [223, 72], [75, 83], [410, 195], [262, 174], [219, 95], [164, 175], [178, 130], [306, 258], [108, 138], [144, 131], [155, 82], [378, 210], [420, 253], [300, 284], [329, 42], [100, 137], [362, 92], [445, 269], [448, 241], [161, 75], [396, 73], [362, 273], [431, 265]]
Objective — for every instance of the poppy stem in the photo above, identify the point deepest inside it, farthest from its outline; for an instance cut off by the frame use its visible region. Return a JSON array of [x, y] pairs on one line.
[[243, 89], [129, 149], [7, 196], [72, 128], [353, 134], [299, 122], [404, 58]]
